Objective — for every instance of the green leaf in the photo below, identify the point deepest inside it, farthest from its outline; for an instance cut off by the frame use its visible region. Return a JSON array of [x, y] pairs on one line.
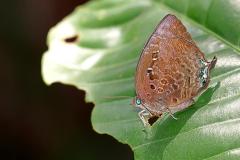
[[102, 61]]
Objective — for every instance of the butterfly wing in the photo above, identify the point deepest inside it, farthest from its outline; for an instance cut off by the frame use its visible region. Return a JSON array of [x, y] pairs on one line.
[[168, 70]]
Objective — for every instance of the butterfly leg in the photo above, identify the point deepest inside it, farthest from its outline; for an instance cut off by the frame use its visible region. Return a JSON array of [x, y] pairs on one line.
[[171, 114], [144, 115]]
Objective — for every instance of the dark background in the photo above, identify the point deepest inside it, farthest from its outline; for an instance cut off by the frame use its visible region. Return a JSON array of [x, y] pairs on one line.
[[39, 121]]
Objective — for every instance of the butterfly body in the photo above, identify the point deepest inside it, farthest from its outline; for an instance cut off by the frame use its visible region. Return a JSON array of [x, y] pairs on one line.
[[171, 70]]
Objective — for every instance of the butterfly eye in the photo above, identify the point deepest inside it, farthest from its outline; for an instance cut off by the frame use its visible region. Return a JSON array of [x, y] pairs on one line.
[[138, 101]]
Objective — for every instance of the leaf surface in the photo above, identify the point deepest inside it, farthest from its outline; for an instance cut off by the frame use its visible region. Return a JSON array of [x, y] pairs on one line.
[[102, 60]]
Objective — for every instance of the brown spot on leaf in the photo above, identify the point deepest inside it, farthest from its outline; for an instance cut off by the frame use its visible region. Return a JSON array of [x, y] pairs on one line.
[[71, 39]]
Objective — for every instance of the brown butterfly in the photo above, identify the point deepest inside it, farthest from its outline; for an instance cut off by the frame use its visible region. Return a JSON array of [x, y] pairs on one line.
[[171, 71]]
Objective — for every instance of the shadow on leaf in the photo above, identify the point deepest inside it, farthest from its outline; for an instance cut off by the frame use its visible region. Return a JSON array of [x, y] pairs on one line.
[[166, 129]]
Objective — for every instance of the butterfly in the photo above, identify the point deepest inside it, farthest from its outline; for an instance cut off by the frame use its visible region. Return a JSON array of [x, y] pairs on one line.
[[171, 71]]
